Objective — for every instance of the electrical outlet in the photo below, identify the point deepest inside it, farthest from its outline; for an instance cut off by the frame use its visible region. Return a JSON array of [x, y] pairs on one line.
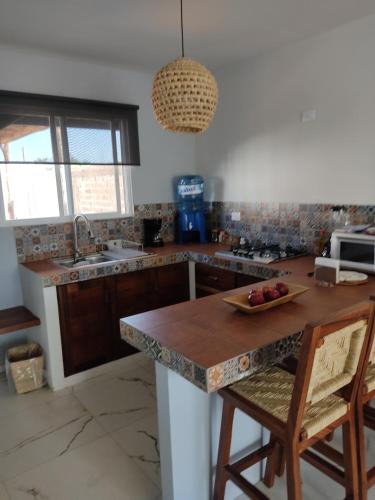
[[236, 216]]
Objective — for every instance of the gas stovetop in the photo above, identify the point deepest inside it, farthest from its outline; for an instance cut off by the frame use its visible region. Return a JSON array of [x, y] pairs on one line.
[[262, 253]]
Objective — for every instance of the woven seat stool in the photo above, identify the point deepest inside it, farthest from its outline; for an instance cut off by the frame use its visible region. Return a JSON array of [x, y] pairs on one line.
[[301, 410], [366, 418]]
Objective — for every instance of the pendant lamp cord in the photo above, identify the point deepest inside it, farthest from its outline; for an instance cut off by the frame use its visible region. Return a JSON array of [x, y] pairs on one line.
[[182, 32]]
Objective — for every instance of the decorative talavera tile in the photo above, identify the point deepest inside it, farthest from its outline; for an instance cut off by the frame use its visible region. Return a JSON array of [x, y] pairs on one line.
[[243, 363], [215, 377], [285, 223], [30, 239], [112, 268], [263, 221]]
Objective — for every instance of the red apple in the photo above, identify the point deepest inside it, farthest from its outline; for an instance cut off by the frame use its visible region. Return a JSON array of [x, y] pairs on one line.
[[282, 288], [267, 289], [271, 294], [256, 299]]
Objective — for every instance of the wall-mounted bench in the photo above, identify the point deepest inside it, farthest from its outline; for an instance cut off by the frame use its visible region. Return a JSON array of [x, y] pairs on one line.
[[16, 318]]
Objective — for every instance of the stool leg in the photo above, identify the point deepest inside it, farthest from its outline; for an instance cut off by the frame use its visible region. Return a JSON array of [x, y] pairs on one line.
[[224, 450], [272, 464], [281, 465], [350, 459], [361, 444], [330, 436], [293, 472]]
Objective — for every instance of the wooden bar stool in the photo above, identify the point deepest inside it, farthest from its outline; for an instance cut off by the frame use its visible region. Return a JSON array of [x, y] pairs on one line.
[[366, 418], [302, 410]]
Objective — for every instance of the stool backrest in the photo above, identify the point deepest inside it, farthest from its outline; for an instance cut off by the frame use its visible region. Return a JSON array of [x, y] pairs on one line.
[[333, 353], [371, 359]]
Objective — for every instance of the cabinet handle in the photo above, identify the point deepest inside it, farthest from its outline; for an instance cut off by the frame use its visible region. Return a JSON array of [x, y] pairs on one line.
[[214, 278]]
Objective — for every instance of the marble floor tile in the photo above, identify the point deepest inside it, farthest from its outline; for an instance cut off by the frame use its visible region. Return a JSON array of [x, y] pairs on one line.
[[97, 471], [315, 486], [140, 442], [120, 400], [12, 403], [148, 374], [145, 361], [43, 432], [3, 493], [139, 359]]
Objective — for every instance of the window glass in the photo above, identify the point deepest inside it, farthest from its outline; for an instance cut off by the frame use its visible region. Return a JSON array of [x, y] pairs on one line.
[[89, 141], [29, 191], [25, 138], [60, 157], [94, 189]]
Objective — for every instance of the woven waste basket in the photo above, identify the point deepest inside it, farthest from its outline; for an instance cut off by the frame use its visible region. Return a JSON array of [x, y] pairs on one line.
[[25, 365]]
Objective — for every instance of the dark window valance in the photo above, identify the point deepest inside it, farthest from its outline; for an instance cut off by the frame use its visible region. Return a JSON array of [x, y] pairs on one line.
[[47, 129]]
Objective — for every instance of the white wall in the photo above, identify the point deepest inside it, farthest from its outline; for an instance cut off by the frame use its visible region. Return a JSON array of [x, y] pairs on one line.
[[257, 149], [10, 286]]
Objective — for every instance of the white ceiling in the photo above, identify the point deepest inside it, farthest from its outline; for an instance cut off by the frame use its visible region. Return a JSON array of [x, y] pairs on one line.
[[146, 32]]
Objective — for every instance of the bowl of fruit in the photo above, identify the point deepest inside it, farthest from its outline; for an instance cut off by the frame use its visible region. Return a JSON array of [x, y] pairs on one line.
[[267, 297]]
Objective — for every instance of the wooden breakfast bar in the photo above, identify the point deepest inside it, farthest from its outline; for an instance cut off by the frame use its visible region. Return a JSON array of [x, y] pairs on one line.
[[203, 345]]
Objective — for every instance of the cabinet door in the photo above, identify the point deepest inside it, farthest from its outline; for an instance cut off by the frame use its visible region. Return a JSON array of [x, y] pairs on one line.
[[132, 293], [245, 280], [172, 284], [210, 280], [86, 328]]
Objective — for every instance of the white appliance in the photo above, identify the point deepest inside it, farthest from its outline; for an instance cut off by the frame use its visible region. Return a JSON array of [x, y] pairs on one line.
[[354, 250]]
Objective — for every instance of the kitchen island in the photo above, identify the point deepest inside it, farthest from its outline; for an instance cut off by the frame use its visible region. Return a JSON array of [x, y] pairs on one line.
[[203, 345], [92, 298]]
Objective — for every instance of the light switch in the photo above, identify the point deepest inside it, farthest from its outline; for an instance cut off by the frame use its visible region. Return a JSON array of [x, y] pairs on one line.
[[236, 216]]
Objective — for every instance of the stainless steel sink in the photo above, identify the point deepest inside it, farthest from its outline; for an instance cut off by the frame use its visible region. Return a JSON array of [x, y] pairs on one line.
[[88, 260], [124, 254]]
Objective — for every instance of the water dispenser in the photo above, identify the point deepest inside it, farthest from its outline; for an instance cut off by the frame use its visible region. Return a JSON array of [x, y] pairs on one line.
[[191, 224]]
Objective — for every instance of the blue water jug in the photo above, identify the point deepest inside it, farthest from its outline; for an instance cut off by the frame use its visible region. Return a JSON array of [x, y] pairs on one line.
[[190, 206]]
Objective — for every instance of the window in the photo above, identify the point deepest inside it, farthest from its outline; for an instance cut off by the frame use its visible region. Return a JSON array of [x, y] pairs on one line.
[[59, 157]]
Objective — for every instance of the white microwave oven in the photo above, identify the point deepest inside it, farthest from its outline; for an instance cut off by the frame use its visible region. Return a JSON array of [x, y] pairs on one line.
[[354, 250]]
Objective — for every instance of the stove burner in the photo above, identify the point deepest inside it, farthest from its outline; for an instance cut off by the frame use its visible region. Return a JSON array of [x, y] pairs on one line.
[[265, 253]]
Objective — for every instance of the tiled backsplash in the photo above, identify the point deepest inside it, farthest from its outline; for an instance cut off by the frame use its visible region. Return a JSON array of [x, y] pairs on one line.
[[283, 223], [56, 240]]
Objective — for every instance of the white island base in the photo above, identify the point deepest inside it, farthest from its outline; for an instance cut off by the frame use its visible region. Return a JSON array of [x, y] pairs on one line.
[[189, 428]]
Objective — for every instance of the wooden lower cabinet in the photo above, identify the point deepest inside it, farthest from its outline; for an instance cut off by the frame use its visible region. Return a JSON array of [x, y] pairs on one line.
[[90, 311], [85, 323], [210, 280], [171, 284], [132, 293]]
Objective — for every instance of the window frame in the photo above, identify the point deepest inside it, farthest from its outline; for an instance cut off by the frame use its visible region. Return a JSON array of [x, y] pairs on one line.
[[61, 107], [128, 203]]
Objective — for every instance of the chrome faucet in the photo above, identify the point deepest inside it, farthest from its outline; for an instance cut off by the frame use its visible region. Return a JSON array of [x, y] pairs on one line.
[[77, 253]]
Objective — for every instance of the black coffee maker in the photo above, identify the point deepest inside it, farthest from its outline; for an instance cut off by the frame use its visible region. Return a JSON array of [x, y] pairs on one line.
[[152, 233]]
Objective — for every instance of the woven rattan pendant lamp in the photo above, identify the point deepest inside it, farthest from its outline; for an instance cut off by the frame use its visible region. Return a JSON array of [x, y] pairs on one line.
[[184, 94]]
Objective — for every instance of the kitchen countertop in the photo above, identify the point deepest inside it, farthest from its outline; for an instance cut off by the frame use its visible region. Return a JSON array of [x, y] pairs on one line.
[[212, 345], [53, 274]]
